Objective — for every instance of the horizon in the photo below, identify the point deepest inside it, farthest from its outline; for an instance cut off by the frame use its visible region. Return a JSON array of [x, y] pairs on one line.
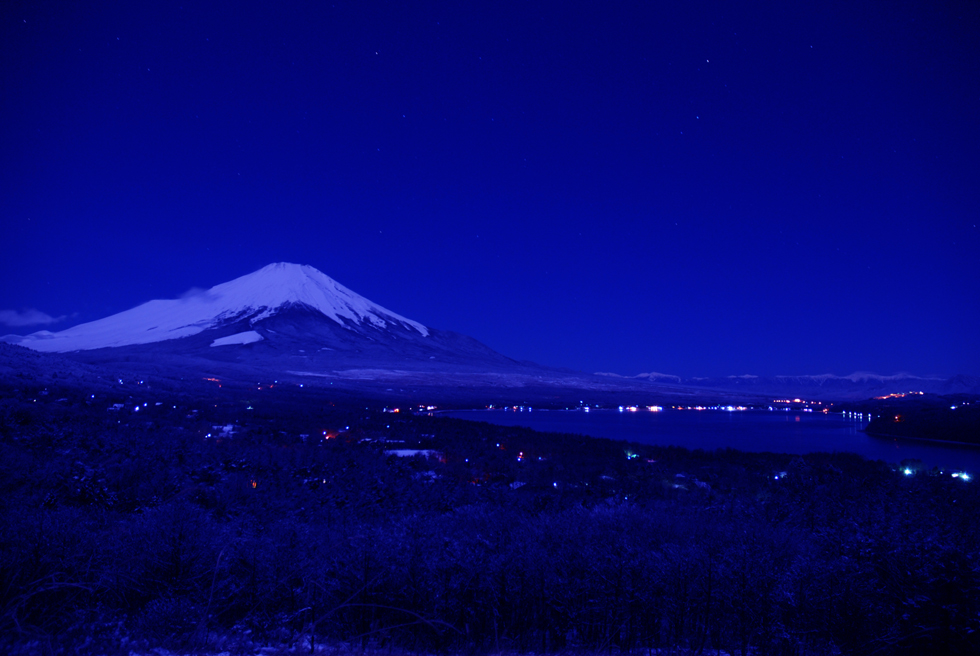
[[198, 292], [702, 190]]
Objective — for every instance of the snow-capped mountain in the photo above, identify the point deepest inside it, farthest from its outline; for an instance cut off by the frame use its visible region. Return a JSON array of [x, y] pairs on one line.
[[282, 321], [246, 300]]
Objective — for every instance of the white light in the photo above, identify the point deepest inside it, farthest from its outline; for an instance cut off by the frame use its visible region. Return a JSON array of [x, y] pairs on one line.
[[908, 472]]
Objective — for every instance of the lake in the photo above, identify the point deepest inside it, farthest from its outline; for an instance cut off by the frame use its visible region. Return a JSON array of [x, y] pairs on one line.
[[747, 430]]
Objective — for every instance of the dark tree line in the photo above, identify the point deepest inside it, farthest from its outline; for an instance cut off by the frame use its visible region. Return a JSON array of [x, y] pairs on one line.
[[953, 423], [117, 523]]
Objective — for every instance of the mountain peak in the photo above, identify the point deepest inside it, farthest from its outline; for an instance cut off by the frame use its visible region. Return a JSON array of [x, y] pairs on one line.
[[283, 283], [251, 297]]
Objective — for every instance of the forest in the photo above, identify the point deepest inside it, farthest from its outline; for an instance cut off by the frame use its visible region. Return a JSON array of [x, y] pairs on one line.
[[135, 519]]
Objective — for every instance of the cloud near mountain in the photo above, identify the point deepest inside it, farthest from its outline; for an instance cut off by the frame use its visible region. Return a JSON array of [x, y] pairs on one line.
[[28, 317]]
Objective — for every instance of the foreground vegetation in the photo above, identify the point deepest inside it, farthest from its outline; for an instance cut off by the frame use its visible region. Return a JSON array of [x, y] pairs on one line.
[[288, 519]]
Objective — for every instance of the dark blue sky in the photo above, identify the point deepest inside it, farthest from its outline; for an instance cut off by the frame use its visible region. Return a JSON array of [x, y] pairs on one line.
[[699, 189]]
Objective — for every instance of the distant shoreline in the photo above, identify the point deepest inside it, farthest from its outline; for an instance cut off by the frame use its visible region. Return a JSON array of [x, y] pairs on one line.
[[919, 439]]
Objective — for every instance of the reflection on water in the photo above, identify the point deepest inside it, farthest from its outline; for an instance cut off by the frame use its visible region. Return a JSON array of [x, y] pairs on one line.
[[750, 430]]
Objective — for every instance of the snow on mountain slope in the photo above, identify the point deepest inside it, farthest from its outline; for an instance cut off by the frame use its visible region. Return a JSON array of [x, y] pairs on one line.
[[254, 297], [247, 337]]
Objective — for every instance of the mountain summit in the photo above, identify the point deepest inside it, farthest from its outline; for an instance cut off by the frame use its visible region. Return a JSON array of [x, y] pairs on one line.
[[282, 322], [243, 302]]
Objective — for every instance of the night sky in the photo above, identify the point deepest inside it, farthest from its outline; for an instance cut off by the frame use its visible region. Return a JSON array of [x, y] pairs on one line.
[[698, 189]]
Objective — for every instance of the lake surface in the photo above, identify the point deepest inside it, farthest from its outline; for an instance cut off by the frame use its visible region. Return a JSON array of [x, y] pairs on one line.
[[749, 430]]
